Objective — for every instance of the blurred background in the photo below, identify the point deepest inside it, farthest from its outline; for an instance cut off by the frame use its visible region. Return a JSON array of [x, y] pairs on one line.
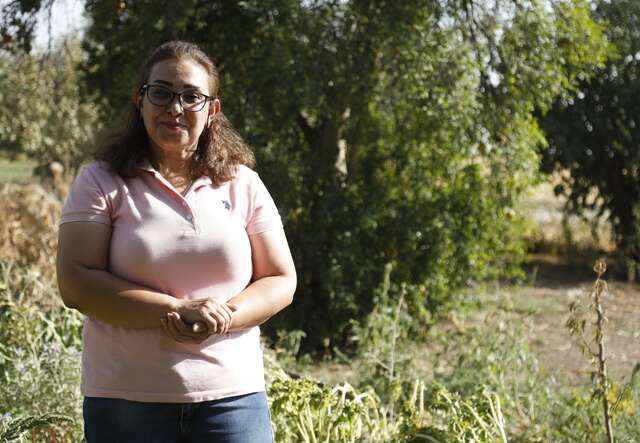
[[447, 172]]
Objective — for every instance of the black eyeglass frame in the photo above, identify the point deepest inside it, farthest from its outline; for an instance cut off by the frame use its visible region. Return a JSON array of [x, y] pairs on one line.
[[145, 88]]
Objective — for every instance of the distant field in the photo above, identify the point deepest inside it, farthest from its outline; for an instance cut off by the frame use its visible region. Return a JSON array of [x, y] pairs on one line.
[[15, 171]]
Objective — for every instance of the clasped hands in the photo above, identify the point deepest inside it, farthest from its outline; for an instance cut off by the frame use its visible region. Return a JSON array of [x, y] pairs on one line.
[[194, 321]]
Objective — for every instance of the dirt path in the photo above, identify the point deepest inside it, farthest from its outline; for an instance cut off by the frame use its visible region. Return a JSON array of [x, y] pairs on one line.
[[555, 286]]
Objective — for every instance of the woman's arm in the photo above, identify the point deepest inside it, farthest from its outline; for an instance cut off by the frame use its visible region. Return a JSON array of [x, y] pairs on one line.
[[86, 285], [273, 283]]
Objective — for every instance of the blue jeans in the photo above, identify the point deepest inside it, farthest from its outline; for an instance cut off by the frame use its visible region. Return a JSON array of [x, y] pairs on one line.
[[241, 419]]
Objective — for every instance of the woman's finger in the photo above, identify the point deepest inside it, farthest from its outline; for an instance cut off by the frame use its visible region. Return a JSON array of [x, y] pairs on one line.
[[210, 323], [228, 315], [221, 321], [221, 314], [227, 310], [181, 326], [184, 331], [173, 332]]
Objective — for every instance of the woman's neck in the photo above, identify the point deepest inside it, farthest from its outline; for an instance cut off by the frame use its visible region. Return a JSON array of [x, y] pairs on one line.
[[172, 163], [174, 167]]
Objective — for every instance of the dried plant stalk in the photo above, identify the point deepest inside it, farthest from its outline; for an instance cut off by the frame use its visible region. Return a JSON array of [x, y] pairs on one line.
[[600, 290], [577, 324]]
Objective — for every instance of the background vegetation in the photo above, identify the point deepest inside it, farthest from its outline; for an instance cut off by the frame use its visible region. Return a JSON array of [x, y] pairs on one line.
[[395, 132], [398, 139], [594, 135]]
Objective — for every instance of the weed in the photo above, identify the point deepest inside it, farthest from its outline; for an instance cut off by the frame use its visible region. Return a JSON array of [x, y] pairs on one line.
[[577, 325]]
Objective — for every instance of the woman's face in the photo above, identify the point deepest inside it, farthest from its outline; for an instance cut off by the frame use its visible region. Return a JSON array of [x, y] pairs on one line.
[[170, 128]]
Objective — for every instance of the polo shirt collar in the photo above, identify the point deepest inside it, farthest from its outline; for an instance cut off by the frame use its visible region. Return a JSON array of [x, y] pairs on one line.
[[146, 165]]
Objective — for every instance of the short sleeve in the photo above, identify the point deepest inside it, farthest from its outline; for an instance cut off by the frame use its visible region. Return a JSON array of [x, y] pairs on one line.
[[87, 200], [263, 214]]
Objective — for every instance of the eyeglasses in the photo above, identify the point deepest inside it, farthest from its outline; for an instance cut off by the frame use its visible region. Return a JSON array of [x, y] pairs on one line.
[[191, 101]]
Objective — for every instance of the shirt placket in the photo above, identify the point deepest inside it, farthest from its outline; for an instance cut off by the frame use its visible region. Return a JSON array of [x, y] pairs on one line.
[[188, 211], [190, 215]]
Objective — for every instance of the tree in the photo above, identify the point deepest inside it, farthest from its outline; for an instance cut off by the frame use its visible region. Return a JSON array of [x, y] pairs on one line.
[[45, 111], [595, 135], [18, 22], [389, 132]]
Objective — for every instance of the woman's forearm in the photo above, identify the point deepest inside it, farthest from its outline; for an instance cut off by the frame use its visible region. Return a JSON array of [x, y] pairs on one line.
[[103, 296], [261, 300]]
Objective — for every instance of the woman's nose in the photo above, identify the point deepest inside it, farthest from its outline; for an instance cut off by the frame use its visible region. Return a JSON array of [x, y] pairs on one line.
[[175, 107]]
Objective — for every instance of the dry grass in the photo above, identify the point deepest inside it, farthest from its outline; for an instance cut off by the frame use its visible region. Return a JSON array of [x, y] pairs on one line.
[[28, 238]]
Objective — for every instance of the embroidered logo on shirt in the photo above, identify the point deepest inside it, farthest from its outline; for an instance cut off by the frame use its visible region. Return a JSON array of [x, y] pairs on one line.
[[226, 205]]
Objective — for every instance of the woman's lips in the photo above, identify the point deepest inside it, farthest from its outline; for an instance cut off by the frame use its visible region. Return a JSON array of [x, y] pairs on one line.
[[174, 126]]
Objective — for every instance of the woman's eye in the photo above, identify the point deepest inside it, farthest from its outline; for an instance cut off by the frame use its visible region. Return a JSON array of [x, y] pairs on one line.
[[192, 98], [160, 94]]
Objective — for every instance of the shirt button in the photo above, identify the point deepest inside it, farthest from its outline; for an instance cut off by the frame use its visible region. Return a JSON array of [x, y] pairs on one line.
[[189, 217]]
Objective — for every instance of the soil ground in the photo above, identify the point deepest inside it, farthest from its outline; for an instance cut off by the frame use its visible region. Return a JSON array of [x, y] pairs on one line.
[[558, 283]]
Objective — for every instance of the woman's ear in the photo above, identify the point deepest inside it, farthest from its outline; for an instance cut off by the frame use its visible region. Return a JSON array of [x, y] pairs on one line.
[[214, 109]]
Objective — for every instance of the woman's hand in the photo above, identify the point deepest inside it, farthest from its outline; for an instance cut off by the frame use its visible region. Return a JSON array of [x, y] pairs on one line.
[[196, 320]]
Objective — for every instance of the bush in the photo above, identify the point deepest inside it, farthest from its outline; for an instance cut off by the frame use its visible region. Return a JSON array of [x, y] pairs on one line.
[[39, 369]]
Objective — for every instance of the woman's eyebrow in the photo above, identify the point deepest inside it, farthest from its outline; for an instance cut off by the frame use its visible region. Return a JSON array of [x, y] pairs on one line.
[[187, 86]]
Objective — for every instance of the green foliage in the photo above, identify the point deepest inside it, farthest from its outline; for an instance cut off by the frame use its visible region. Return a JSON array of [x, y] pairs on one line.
[[12, 429], [287, 349], [471, 419], [46, 113], [595, 134], [307, 411], [39, 369], [385, 340]]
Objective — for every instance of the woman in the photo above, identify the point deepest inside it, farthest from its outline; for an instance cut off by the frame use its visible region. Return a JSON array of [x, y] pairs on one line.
[[174, 251]]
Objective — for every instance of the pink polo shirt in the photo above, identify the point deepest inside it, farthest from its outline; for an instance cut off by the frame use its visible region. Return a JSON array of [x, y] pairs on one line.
[[189, 247]]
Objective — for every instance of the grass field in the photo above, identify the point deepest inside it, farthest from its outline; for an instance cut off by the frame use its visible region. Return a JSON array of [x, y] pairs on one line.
[[15, 171]]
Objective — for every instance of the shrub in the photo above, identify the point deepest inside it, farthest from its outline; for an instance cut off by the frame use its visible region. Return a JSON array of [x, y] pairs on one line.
[[39, 368]]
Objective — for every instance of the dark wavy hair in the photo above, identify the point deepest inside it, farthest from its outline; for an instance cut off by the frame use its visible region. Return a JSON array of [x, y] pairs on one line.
[[220, 148]]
